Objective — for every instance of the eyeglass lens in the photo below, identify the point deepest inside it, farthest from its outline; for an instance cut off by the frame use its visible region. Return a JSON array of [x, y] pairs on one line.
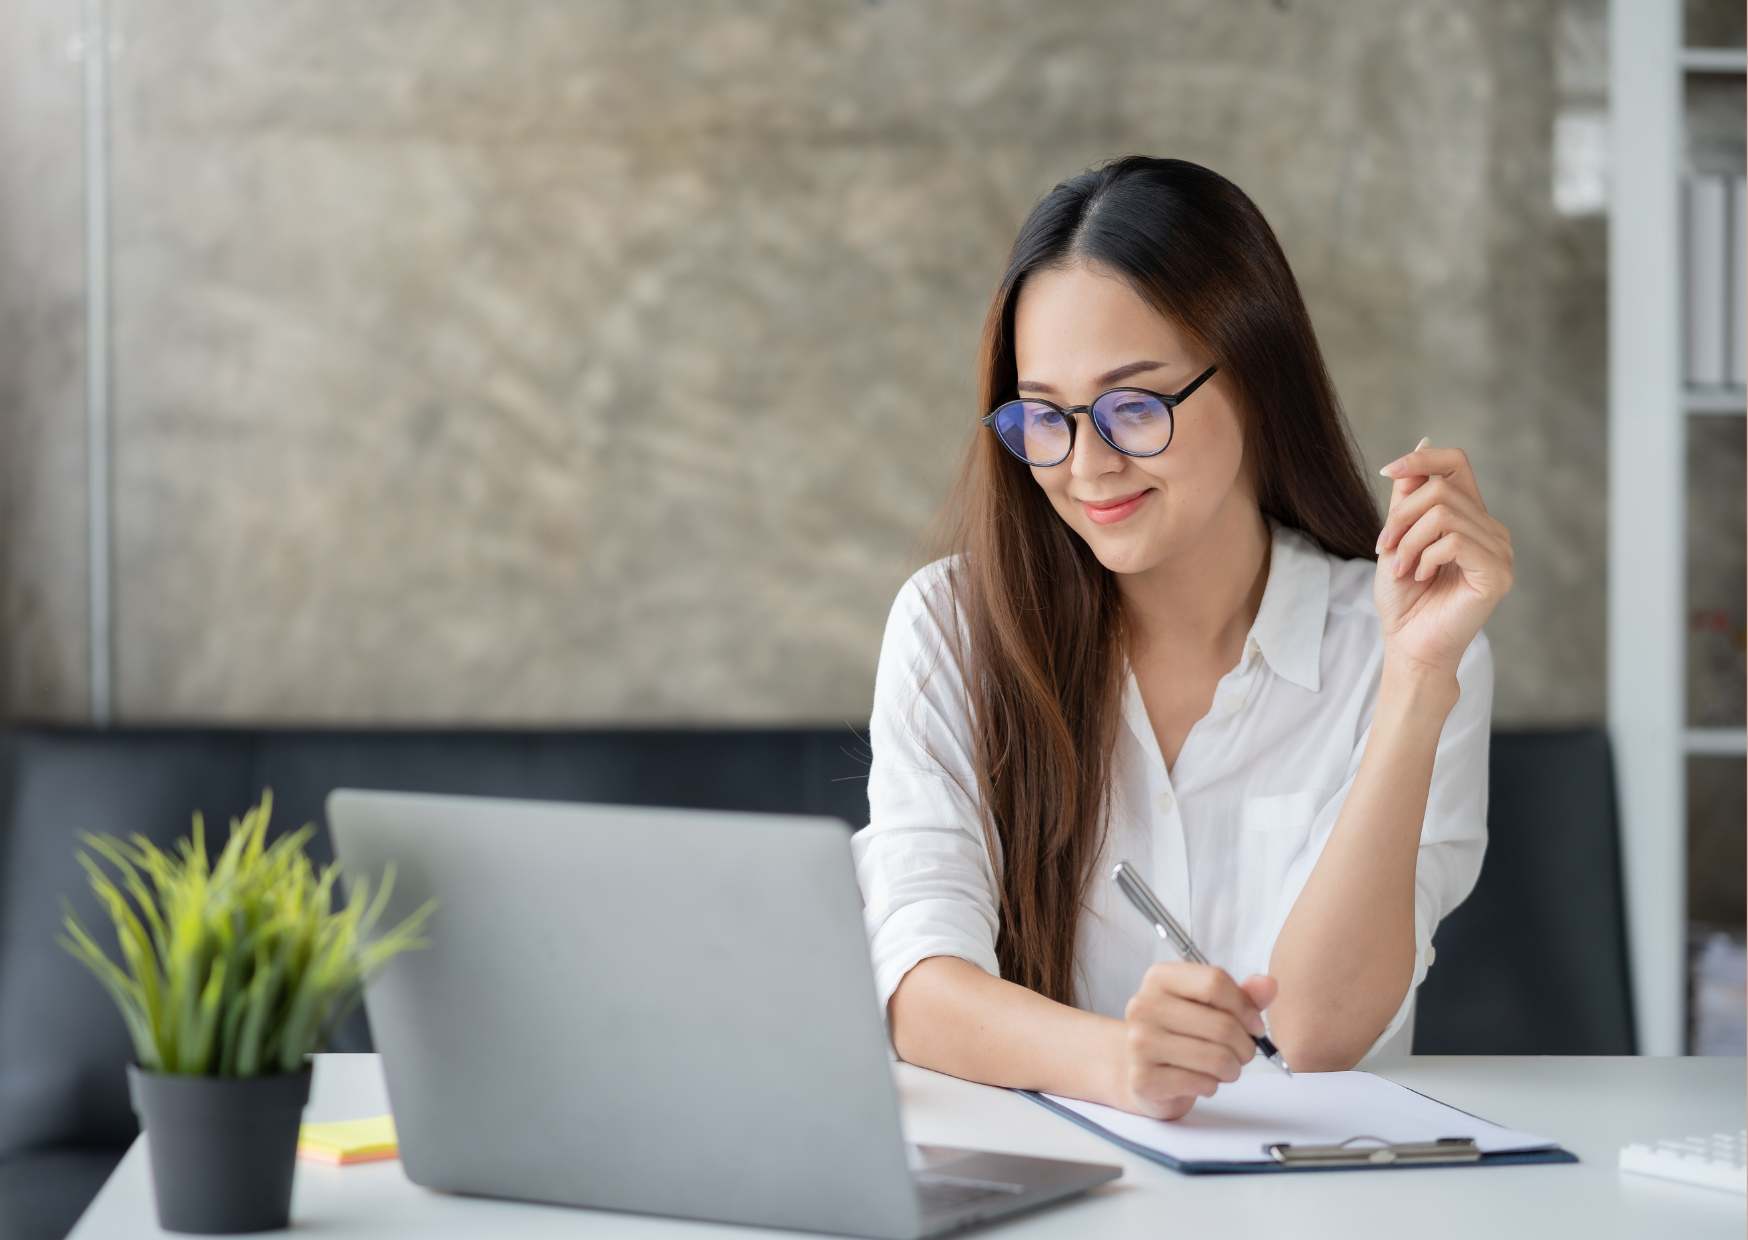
[[1130, 420]]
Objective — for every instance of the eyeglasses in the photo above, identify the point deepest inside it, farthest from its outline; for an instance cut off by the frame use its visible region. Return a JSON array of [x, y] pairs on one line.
[[1134, 421]]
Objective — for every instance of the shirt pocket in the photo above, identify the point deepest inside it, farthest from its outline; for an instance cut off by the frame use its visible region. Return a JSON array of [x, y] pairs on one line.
[[1274, 834]]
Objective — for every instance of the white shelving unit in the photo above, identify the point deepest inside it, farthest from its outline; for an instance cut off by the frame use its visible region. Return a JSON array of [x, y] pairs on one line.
[[1716, 742], [1714, 59], [1648, 412], [1720, 401]]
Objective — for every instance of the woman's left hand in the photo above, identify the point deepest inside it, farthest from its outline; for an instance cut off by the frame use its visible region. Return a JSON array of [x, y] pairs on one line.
[[1443, 561]]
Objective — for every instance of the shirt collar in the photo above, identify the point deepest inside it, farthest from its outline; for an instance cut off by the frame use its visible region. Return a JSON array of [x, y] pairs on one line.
[[1295, 605]]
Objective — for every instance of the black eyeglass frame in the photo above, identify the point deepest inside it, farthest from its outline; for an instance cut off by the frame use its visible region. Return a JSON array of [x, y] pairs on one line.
[[1170, 400]]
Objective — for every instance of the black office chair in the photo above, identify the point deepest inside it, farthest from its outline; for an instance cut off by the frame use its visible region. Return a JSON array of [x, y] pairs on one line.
[[1534, 962]]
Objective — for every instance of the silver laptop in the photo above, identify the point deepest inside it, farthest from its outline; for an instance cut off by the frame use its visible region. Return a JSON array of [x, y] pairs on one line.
[[663, 1011]]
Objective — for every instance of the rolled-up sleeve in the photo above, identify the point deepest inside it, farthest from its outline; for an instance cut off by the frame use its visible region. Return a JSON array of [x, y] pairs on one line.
[[928, 885], [1453, 837]]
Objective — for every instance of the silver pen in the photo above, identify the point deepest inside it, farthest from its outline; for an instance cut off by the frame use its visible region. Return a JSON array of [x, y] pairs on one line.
[[1148, 905]]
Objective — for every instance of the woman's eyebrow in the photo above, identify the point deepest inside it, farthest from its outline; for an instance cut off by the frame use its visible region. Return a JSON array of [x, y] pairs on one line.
[[1124, 372], [1105, 380]]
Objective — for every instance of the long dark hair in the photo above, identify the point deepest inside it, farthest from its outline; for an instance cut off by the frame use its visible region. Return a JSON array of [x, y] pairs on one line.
[[1041, 642]]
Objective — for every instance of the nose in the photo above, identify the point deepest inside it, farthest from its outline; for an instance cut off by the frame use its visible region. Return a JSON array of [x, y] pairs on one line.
[[1091, 457]]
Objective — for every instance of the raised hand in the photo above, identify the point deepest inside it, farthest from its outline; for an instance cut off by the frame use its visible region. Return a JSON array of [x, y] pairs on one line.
[[1444, 562]]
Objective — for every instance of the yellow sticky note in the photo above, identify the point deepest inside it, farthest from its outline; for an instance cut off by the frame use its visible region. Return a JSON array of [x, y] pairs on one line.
[[349, 1141]]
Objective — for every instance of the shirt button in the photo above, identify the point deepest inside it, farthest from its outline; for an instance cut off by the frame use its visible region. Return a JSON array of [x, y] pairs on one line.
[[1163, 800], [1430, 954], [1234, 703]]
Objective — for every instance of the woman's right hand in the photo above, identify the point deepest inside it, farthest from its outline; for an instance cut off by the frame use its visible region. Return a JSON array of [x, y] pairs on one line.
[[1189, 1028]]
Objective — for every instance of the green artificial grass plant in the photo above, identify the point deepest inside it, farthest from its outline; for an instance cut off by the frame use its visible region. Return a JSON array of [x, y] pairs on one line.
[[239, 967]]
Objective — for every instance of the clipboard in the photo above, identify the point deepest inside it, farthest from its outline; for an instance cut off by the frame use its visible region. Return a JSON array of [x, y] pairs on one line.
[[1259, 1117]]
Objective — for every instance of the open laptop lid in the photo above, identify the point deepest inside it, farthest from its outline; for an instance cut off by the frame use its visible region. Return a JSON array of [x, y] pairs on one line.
[[663, 1011]]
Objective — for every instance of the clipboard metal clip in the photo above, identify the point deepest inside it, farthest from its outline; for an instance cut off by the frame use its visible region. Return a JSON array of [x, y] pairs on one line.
[[1381, 1154]]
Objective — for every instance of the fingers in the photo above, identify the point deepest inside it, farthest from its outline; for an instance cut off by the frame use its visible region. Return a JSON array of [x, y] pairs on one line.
[[1206, 985], [1437, 522], [1408, 501], [1165, 1092], [1152, 1047], [1261, 988], [1408, 482], [1422, 473], [1444, 561], [1487, 544], [1181, 1031], [1189, 1029], [1465, 553], [1426, 462], [1433, 494]]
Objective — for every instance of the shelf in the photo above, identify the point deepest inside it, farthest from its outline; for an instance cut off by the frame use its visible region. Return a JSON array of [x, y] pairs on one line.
[[1714, 400], [1715, 742], [1647, 616], [1714, 59]]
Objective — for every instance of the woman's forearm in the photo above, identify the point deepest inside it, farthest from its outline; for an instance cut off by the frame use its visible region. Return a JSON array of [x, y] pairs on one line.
[[1345, 956], [949, 1015]]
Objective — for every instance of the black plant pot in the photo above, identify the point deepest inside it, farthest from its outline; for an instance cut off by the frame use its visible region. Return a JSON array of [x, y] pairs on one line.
[[223, 1149]]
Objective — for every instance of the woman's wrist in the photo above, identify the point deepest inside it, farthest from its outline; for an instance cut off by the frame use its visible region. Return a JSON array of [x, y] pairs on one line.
[[1414, 696], [1110, 1078]]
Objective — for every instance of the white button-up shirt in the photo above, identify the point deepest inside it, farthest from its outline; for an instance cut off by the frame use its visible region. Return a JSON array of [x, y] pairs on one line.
[[1226, 838]]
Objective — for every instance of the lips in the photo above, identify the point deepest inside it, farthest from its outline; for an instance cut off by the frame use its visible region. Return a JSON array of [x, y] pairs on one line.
[[1111, 511]]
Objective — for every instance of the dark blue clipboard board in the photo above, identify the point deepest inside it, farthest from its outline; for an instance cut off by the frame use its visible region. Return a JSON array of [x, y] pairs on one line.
[[1555, 1155]]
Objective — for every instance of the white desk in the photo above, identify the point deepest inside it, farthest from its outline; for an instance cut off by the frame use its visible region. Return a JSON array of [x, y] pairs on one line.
[[1591, 1106]]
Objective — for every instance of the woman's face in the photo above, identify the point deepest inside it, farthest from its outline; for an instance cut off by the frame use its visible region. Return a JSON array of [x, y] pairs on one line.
[[1079, 331]]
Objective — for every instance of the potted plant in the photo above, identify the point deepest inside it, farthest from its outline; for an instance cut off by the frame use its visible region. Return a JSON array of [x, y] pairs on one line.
[[232, 973]]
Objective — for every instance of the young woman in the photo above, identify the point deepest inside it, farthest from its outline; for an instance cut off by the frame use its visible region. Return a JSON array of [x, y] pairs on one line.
[[1163, 640]]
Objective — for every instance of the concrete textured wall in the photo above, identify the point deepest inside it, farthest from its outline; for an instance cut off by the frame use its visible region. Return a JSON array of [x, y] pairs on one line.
[[558, 361], [43, 646]]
